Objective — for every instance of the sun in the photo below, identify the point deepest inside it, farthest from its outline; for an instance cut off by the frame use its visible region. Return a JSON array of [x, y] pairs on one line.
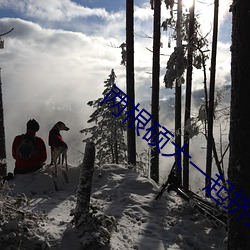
[[188, 3]]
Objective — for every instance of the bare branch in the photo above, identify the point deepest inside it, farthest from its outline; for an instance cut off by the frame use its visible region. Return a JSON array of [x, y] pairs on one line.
[[160, 54], [7, 32]]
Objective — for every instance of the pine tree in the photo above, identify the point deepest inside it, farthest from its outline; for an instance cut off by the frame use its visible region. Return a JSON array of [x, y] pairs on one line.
[[108, 131]]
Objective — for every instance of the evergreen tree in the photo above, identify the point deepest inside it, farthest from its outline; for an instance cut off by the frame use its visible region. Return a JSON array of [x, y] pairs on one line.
[[108, 131]]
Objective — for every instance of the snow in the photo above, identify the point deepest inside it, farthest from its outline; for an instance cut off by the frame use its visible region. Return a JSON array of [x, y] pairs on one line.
[[141, 221]]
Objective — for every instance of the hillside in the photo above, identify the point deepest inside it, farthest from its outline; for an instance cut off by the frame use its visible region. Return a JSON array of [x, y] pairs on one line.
[[141, 221]]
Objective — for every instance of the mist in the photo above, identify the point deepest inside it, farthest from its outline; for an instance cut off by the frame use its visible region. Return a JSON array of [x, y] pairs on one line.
[[51, 69]]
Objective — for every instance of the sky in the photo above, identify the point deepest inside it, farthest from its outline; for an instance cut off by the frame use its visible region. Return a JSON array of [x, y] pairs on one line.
[[61, 51]]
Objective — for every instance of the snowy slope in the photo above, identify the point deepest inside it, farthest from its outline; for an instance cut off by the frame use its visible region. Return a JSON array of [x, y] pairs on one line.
[[141, 221]]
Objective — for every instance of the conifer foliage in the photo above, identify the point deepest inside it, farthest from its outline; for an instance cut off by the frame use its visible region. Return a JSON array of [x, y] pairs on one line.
[[108, 131]]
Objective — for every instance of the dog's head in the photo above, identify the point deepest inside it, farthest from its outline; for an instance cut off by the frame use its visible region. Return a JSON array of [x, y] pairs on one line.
[[61, 126]]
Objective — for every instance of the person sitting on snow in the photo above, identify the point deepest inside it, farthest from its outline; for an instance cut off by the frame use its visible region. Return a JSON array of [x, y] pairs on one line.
[[29, 150]]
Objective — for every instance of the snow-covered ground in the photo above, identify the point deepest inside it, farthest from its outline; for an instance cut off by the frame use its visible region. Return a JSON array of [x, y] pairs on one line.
[[141, 221]]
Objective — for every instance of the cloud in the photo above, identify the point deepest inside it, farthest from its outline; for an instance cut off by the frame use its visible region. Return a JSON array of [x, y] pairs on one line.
[[55, 63], [205, 14], [50, 75], [47, 71], [143, 13], [56, 10]]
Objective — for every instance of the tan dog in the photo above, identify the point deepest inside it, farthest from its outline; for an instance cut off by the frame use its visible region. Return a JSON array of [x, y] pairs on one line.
[[57, 145]]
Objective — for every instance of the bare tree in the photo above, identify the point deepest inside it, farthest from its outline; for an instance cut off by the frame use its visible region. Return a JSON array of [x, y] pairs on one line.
[[3, 163], [178, 90], [131, 139], [210, 138], [188, 94], [154, 169]]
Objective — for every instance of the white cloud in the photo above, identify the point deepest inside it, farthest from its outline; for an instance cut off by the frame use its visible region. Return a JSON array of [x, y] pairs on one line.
[[50, 73], [46, 69], [205, 12], [143, 13], [64, 62], [52, 10]]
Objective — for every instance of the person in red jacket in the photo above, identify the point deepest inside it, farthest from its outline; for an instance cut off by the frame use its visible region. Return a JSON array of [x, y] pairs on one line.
[[29, 150]]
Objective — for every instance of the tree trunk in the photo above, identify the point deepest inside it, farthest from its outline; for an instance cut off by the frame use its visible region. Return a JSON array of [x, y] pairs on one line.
[[3, 162], [188, 96], [239, 169], [131, 140], [92, 228], [178, 93], [211, 95], [116, 143], [81, 215], [154, 169]]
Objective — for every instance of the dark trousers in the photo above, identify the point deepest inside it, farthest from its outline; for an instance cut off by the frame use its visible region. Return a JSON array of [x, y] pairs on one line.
[[25, 171]]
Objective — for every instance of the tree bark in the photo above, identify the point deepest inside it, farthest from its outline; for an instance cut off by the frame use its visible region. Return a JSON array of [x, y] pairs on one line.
[[178, 93], [116, 151], [239, 136], [81, 215], [211, 95], [154, 169], [188, 95], [3, 162], [93, 229], [130, 82]]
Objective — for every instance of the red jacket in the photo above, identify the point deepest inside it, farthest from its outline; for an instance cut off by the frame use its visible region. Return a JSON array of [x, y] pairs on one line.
[[55, 139], [37, 159]]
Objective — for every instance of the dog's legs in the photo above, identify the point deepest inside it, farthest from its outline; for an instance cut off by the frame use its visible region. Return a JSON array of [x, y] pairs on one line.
[[57, 152], [66, 161], [59, 159], [55, 158], [51, 156], [64, 172], [56, 170], [63, 157]]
